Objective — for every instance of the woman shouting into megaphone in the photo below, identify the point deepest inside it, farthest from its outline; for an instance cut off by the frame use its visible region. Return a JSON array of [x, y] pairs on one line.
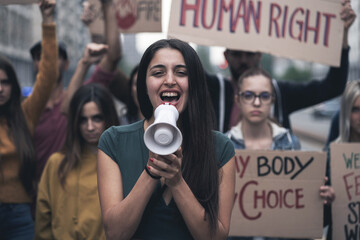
[[187, 194]]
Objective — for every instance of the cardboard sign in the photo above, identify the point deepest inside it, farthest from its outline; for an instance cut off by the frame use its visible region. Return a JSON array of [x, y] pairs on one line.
[[308, 30], [132, 16], [345, 179], [277, 194], [8, 2]]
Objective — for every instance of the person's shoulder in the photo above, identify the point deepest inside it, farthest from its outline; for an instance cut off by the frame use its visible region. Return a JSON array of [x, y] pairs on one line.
[[126, 128], [115, 132], [56, 157], [224, 148], [54, 161], [220, 138], [284, 138]]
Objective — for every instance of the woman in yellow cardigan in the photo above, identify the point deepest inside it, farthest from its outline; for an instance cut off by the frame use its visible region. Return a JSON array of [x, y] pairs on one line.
[[68, 204], [17, 122]]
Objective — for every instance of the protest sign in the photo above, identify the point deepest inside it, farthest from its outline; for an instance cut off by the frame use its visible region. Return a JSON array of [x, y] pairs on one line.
[[345, 179], [281, 185], [308, 30], [8, 2], [132, 16]]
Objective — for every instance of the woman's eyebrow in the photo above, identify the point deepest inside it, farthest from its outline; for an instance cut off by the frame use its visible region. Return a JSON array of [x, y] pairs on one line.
[[180, 66], [157, 66]]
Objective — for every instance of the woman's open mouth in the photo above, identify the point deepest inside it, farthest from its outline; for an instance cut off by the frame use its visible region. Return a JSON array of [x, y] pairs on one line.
[[171, 97]]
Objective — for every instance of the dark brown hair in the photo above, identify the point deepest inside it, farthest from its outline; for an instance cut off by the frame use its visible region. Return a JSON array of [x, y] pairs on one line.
[[199, 165], [255, 72], [18, 130], [74, 142]]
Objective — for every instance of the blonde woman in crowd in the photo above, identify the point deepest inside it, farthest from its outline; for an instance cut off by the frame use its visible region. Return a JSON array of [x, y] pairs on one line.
[[349, 126]]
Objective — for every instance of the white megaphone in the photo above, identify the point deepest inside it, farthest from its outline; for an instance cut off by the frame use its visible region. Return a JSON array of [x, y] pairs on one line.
[[163, 137]]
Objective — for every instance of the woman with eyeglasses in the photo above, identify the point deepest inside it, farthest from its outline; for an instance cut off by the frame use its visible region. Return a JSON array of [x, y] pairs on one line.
[[256, 130]]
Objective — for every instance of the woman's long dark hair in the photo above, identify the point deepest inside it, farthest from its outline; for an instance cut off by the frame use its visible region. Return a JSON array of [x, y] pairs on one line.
[[199, 165], [18, 130], [74, 143]]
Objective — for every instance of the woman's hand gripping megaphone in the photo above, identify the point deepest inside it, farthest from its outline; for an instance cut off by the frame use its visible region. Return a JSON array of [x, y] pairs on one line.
[[166, 166]]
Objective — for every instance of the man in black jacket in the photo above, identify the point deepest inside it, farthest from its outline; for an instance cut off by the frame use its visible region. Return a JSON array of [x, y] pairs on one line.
[[290, 96]]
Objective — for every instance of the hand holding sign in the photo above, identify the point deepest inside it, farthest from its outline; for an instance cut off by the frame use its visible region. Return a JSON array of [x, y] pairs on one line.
[[347, 14], [327, 193]]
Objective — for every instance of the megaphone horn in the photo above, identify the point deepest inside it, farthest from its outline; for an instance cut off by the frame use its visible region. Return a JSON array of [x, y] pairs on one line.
[[163, 137]]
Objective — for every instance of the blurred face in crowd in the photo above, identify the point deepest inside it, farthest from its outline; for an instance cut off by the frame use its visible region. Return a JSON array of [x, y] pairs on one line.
[[255, 98], [62, 64], [92, 123], [240, 61], [5, 88], [355, 120], [167, 79]]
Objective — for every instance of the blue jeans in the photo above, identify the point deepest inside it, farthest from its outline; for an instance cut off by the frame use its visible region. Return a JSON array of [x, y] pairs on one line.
[[16, 221]]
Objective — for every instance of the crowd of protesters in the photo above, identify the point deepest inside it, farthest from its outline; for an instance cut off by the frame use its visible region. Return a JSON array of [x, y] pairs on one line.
[[74, 165]]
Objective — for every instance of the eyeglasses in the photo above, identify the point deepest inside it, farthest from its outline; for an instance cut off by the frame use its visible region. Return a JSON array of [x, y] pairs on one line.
[[249, 97]]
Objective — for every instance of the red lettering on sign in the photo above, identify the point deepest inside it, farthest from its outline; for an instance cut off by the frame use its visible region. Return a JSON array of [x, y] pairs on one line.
[[193, 7], [263, 199], [355, 183], [299, 24]]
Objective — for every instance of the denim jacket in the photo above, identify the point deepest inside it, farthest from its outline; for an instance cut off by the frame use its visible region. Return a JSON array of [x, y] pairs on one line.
[[282, 138]]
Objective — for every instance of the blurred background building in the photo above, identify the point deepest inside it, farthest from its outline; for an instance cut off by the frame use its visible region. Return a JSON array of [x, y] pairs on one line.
[[20, 28]]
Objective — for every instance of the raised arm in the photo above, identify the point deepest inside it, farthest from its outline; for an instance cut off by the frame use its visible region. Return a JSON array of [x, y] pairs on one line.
[[348, 15], [47, 76], [93, 53], [297, 96], [108, 59], [121, 216], [112, 35]]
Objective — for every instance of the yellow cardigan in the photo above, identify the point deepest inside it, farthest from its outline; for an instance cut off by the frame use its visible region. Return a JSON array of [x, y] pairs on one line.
[[11, 189], [73, 212]]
